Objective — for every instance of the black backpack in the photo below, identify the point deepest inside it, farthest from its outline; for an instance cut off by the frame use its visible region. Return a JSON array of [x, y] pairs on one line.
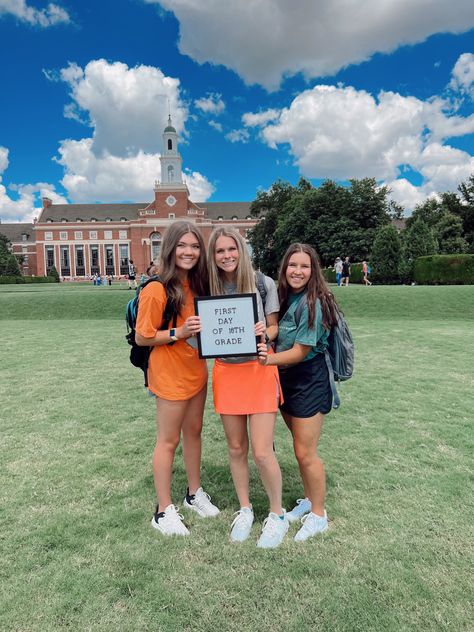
[[339, 354], [139, 356]]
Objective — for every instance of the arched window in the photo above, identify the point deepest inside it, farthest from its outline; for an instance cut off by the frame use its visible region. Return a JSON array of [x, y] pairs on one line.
[[170, 173], [155, 242], [170, 144]]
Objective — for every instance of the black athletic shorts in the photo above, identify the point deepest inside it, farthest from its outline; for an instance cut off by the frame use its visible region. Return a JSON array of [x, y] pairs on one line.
[[306, 388]]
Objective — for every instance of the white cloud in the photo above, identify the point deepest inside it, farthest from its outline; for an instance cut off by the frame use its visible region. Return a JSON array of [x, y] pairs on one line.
[[21, 208], [212, 104], [128, 110], [266, 40], [50, 16], [463, 75], [254, 119], [238, 136], [217, 126], [342, 133]]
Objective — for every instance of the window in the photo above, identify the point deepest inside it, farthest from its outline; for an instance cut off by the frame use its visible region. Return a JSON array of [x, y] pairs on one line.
[[107, 234], [170, 144], [123, 219], [108, 219], [123, 253], [122, 234], [78, 234], [170, 173], [78, 219], [92, 234], [80, 265], [24, 249], [24, 237], [109, 260], [49, 220], [63, 220], [234, 217], [155, 240], [171, 215], [49, 258], [48, 235], [220, 218], [65, 263], [63, 234], [94, 251], [93, 219]]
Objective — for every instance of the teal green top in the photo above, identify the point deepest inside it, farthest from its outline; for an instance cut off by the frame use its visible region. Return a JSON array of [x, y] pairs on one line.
[[289, 333]]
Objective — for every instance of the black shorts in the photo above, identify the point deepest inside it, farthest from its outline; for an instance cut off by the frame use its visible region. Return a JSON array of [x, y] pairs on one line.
[[306, 388]]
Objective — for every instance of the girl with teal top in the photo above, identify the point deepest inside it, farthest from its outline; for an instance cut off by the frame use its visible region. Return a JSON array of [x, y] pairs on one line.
[[304, 375]]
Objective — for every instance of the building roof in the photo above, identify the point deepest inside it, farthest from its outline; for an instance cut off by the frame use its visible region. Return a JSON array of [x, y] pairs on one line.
[[226, 210], [86, 212], [115, 212], [14, 232]]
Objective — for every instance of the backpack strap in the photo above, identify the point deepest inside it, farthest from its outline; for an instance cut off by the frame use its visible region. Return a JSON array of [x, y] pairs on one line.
[[336, 401], [300, 307], [261, 287]]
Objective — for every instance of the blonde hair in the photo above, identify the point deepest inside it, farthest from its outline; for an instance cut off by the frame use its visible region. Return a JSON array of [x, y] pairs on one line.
[[244, 275]]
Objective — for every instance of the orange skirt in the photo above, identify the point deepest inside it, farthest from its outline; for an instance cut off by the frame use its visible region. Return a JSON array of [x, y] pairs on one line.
[[245, 389]]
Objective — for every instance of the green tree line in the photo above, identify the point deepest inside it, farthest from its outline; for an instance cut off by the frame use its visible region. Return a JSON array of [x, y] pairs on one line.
[[357, 221]]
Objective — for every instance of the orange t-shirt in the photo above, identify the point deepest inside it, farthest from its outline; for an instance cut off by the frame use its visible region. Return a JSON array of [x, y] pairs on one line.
[[175, 371]]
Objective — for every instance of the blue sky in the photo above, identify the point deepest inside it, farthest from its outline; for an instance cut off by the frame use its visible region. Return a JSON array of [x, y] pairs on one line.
[[258, 90]]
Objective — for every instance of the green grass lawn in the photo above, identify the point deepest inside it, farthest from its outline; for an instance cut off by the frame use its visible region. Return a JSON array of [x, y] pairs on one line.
[[76, 499]]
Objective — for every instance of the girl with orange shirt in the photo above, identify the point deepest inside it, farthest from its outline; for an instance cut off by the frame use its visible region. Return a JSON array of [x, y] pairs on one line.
[[176, 375]]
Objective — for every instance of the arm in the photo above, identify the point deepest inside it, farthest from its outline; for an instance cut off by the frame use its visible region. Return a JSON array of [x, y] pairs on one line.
[[270, 328], [191, 326], [296, 354]]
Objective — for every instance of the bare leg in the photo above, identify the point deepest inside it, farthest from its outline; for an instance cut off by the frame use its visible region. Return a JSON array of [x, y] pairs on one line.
[[306, 433], [192, 427], [289, 422], [262, 428], [235, 428], [169, 419]]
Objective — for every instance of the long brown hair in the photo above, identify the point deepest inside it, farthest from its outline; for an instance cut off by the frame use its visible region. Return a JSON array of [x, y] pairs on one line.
[[197, 275], [315, 288], [244, 275]]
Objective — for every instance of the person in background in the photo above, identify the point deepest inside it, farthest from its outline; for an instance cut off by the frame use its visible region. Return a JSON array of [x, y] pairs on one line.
[[132, 283], [338, 270], [176, 374], [365, 272], [246, 394], [346, 271]]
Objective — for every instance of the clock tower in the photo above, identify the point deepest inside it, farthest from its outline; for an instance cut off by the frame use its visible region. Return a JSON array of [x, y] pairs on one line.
[[171, 192]]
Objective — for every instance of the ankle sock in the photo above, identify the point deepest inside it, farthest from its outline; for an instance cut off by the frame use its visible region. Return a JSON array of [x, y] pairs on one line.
[[189, 497]]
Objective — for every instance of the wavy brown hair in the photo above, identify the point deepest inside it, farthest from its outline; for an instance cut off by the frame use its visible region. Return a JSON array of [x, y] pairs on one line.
[[244, 275], [315, 288], [197, 276]]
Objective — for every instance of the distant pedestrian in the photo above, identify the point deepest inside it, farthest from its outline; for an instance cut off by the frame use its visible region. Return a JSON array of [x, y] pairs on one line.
[[94, 279], [109, 279], [338, 270], [132, 283], [365, 272], [142, 278], [346, 271]]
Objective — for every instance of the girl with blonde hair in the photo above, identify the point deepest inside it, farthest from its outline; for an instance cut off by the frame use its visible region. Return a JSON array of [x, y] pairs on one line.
[[247, 393]]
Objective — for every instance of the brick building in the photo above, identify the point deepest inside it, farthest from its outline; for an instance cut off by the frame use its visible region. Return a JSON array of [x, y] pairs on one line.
[[83, 239]]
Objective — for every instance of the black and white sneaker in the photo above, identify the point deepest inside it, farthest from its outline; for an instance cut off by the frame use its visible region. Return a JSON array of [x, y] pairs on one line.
[[200, 502], [169, 521]]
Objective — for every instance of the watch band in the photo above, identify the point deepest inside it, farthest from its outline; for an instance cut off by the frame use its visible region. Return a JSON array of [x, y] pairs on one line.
[[173, 336]]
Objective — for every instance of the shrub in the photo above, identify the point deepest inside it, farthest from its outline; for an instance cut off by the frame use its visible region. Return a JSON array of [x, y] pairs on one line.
[[445, 270], [9, 280], [53, 273]]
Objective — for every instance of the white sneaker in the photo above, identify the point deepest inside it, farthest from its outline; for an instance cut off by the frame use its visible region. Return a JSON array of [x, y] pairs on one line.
[[242, 524], [273, 531], [302, 507], [201, 504], [170, 522], [312, 525]]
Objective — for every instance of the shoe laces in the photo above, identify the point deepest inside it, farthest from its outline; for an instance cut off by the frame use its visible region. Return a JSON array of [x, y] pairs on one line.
[[242, 519], [172, 516], [202, 499], [269, 527]]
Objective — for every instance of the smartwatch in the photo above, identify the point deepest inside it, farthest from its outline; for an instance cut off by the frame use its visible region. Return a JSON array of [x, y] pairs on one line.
[[173, 336]]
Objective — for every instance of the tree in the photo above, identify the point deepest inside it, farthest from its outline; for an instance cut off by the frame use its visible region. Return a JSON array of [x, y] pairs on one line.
[[449, 234], [467, 211], [417, 241], [52, 272], [8, 262], [386, 251], [11, 267]]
